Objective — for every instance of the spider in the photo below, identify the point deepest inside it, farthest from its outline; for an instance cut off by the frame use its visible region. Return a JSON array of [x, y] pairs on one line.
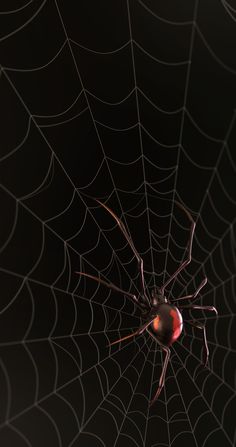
[[162, 319]]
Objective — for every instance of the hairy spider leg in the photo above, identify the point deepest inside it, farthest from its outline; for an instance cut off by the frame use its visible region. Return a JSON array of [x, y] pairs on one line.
[[163, 373], [138, 332], [194, 295], [131, 244], [190, 243], [201, 326], [132, 297]]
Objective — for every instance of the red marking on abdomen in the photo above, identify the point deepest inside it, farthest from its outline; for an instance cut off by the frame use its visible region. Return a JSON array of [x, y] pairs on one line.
[[177, 323], [155, 323]]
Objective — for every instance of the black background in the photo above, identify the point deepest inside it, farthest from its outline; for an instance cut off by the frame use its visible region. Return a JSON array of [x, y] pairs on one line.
[[132, 102]]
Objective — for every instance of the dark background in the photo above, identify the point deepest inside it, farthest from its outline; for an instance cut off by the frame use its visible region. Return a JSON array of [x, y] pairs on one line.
[[131, 102]]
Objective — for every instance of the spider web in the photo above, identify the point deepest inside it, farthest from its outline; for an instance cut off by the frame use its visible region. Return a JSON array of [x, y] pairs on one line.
[[131, 102]]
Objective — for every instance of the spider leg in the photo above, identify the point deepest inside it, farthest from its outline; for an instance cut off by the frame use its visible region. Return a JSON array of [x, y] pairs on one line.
[[203, 328], [163, 374], [211, 308], [190, 243], [138, 332], [193, 296], [131, 244], [132, 297]]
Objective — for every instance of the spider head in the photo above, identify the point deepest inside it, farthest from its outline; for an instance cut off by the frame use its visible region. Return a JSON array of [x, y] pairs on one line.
[[157, 297]]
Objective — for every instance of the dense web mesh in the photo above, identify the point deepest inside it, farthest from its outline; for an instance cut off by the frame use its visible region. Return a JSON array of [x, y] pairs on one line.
[[131, 102]]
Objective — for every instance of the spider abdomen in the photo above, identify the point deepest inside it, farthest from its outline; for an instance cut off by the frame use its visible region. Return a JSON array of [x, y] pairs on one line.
[[168, 324]]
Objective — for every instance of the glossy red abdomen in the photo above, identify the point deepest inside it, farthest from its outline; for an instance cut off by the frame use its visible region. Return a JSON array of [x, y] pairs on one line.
[[168, 324]]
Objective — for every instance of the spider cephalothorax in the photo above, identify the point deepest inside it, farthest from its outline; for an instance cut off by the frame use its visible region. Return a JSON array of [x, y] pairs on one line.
[[157, 297], [162, 319]]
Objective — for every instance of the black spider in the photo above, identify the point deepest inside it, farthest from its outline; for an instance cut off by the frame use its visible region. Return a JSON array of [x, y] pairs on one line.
[[163, 320]]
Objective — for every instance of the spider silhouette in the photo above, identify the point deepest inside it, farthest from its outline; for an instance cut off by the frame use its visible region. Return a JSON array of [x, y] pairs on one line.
[[162, 319]]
